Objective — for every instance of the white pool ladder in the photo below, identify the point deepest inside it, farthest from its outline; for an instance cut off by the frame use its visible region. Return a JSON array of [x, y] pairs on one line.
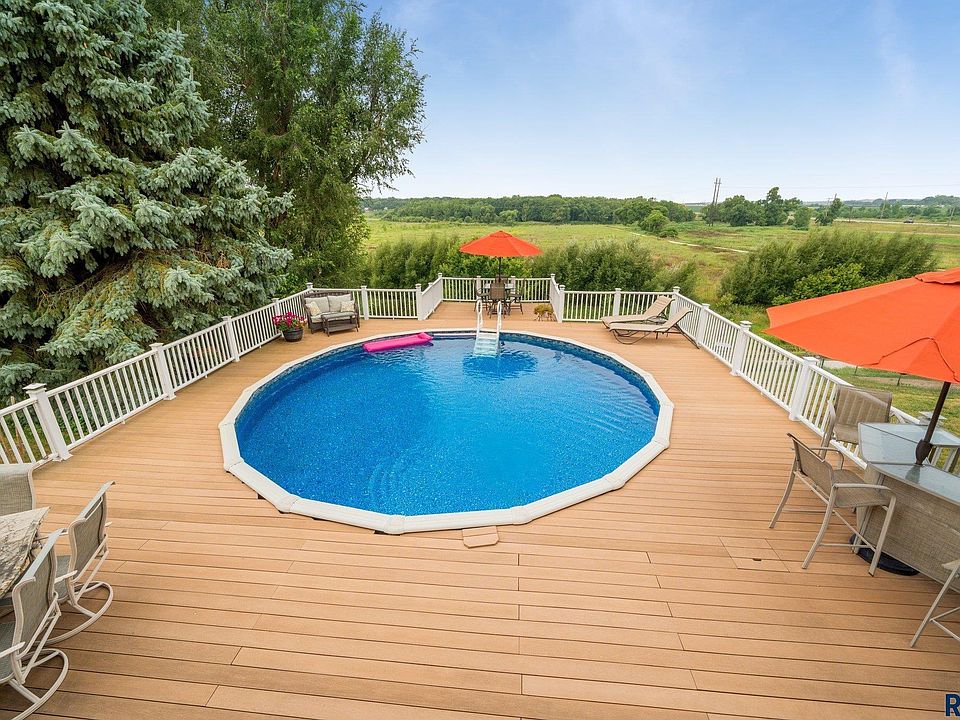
[[488, 341]]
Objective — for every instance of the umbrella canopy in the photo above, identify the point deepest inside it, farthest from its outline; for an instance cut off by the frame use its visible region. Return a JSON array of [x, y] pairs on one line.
[[907, 326], [500, 244]]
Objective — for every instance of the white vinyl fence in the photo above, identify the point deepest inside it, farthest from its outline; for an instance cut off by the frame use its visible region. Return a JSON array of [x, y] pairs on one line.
[[49, 423]]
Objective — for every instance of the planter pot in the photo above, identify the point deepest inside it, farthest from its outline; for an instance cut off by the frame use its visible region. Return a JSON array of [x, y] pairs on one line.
[[293, 335]]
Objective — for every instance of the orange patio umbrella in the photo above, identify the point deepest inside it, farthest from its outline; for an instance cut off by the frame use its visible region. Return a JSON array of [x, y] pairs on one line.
[[909, 326], [500, 244]]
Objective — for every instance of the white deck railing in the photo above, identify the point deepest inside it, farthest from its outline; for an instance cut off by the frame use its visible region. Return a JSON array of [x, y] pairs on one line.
[[48, 424]]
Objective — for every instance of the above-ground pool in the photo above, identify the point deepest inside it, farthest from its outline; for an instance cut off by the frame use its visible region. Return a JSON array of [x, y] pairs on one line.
[[433, 436]]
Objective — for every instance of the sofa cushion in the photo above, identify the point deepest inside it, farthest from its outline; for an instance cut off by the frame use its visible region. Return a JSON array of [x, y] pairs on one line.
[[323, 304], [313, 310], [348, 306], [337, 300]]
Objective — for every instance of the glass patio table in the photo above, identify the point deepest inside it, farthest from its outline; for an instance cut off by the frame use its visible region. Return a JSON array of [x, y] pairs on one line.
[[18, 535], [925, 529]]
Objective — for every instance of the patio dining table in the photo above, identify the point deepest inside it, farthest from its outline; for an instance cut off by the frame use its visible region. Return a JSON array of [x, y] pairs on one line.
[[925, 529], [18, 537]]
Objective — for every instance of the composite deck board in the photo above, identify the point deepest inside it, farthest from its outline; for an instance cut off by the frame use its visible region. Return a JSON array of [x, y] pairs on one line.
[[669, 599]]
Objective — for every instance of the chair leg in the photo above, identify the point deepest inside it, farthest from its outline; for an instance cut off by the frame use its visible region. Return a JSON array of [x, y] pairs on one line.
[[786, 496], [823, 530], [92, 616], [38, 700], [936, 603], [887, 517]]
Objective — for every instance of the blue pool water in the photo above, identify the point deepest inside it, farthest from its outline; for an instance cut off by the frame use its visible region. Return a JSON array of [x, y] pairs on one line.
[[435, 429]]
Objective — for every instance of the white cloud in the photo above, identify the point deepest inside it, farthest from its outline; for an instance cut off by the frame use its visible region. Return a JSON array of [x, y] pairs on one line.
[[657, 45], [900, 69]]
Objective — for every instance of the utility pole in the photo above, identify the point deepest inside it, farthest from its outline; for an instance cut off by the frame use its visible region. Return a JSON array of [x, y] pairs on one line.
[[716, 196], [884, 204]]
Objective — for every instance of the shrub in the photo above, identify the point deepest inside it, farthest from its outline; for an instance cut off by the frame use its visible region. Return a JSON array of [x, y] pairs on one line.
[[580, 266], [655, 222], [825, 262]]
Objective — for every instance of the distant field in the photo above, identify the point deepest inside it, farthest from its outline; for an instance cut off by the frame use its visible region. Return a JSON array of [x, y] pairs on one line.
[[712, 248]]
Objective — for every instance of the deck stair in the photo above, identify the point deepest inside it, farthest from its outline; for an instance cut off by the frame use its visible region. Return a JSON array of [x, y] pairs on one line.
[[488, 341]]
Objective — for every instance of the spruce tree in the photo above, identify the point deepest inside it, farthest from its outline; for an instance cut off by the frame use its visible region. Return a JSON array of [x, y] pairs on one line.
[[115, 230]]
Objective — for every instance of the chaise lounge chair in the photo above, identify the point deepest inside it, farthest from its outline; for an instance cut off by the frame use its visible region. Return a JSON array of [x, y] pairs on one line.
[[631, 332], [653, 314]]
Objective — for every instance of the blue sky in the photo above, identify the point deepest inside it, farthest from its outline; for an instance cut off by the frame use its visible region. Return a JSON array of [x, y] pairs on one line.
[[629, 97]]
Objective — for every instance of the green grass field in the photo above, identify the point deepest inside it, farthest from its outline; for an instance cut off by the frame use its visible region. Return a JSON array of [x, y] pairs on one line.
[[713, 249]]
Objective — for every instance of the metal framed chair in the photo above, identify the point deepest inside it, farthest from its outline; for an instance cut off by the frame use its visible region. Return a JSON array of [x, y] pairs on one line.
[[23, 643], [78, 570], [953, 569], [497, 294], [16, 488], [839, 489], [852, 406]]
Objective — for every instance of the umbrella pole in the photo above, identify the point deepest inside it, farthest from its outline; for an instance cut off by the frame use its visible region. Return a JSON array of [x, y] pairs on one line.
[[925, 446]]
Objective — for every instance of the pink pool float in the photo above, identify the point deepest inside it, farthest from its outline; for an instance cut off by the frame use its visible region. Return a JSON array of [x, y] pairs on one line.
[[397, 342]]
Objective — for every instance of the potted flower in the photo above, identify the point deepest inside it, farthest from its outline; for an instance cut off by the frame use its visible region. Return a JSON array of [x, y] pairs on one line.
[[290, 325]]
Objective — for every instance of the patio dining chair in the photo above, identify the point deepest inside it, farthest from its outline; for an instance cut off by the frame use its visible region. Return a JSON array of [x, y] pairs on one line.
[[77, 572], [953, 569], [23, 643], [498, 294], [852, 406], [16, 488], [839, 489]]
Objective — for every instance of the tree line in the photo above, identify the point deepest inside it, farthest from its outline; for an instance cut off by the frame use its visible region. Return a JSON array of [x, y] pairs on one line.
[[536, 208]]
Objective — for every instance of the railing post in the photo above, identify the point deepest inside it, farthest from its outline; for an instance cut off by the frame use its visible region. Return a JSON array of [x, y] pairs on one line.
[[616, 302], [702, 317], [419, 298], [231, 337], [478, 286], [561, 297], [309, 287], [740, 347], [674, 306], [801, 384], [365, 302], [163, 371], [48, 421]]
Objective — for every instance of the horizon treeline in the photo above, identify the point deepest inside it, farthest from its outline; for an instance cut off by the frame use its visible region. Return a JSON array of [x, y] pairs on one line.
[[528, 208]]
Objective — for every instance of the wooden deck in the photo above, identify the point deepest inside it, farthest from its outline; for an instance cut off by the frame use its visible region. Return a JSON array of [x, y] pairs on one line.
[[667, 599]]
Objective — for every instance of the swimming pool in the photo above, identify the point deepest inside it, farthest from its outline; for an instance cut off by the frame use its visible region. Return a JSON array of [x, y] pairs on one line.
[[435, 437]]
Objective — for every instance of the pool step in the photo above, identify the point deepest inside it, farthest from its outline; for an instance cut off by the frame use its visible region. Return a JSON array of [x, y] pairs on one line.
[[487, 343]]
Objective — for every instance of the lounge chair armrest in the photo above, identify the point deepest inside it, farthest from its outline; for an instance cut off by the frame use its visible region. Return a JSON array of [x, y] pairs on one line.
[[12, 649]]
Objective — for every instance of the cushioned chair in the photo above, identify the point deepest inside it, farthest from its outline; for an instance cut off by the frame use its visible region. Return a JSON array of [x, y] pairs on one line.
[[77, 572], [839, 489], [16, 488], [23, 643], [330, 315]]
